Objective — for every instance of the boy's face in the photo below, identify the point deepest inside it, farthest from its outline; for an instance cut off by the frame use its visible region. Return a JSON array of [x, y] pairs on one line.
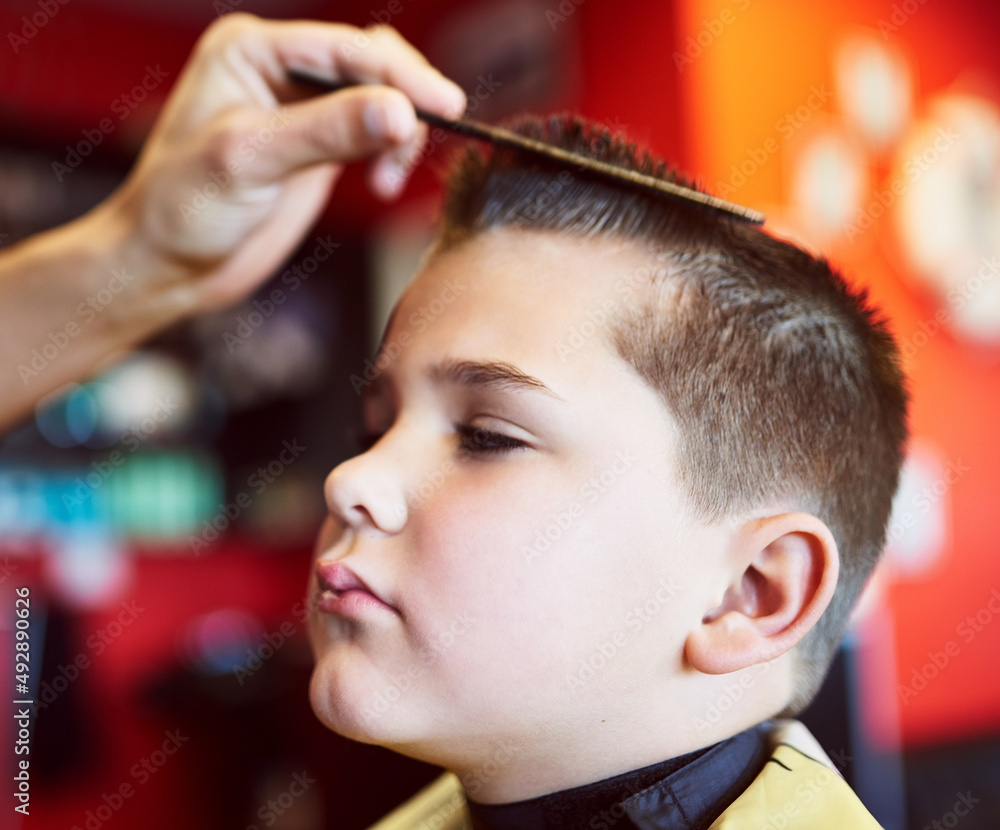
[[538, 567]]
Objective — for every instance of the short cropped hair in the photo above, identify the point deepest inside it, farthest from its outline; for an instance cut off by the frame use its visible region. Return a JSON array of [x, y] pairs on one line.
[[785, 382]]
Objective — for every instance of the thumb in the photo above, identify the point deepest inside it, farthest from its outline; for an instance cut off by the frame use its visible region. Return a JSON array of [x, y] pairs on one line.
[[349, 124]]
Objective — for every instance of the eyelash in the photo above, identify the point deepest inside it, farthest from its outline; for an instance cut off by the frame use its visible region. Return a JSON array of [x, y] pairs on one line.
[[473, 441], [477, 441]]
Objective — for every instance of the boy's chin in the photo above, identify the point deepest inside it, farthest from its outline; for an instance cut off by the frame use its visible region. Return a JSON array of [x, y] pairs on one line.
[[349, 703]]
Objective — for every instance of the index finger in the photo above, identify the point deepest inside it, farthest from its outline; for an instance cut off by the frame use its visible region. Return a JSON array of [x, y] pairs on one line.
[[378, 54]]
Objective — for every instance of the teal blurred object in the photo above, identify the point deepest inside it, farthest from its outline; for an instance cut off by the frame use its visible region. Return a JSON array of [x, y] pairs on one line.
[[150, 496], [162, 496]]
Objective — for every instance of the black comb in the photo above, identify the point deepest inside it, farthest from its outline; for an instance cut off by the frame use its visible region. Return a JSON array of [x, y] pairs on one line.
[[498, 135]]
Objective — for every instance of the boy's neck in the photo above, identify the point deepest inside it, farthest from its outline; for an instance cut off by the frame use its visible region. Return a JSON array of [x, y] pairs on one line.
[[711, 774]]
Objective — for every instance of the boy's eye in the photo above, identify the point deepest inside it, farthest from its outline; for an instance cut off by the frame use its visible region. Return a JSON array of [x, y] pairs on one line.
[[471, 440], [479, 441]]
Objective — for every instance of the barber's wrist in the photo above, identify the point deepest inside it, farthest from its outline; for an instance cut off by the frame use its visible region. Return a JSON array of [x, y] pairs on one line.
[[154, 289]]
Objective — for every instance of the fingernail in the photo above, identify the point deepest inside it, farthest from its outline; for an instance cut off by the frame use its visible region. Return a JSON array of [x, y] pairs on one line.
[[391, 181], [377, 119], [456, 109], [389, 119], [394, 181]]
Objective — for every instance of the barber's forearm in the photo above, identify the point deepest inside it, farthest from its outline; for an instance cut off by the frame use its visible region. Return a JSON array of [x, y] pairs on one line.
[[76, 298]]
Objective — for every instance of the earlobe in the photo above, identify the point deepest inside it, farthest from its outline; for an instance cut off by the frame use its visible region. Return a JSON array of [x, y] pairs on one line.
[[786, 570]]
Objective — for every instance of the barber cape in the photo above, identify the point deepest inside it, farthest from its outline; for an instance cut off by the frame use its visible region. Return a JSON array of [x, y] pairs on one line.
[[798, 788]]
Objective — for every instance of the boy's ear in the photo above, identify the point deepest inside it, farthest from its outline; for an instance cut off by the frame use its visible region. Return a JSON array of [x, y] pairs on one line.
[[787, 568]]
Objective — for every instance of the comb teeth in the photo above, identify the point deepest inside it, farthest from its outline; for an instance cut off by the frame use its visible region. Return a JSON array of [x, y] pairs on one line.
[[650, 180]]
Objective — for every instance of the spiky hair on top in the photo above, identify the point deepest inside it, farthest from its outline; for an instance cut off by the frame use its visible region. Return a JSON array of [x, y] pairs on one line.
[[785, 382], [531, 185]]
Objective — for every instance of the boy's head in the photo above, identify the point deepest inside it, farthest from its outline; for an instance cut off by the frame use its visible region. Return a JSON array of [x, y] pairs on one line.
[[626, 448]]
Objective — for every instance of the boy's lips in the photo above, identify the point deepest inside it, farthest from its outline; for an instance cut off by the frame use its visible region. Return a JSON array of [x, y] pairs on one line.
[[344, 593]]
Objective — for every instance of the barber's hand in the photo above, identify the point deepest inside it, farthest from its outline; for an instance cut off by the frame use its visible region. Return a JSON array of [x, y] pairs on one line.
[[241, 162]]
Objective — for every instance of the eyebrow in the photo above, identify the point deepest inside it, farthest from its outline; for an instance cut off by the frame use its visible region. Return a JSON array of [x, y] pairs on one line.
[[488, 374]]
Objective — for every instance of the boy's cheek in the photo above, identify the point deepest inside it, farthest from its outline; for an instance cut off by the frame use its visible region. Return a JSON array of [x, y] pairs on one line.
[[493, 514]]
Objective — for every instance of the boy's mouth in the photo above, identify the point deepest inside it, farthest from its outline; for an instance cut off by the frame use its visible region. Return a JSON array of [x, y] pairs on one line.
[[341, 592]]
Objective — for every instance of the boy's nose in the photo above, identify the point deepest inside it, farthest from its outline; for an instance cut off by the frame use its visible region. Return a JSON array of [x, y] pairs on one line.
[[365, 493]]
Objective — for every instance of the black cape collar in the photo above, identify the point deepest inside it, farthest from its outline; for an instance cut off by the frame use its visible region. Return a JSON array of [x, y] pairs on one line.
[[688, 792]]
